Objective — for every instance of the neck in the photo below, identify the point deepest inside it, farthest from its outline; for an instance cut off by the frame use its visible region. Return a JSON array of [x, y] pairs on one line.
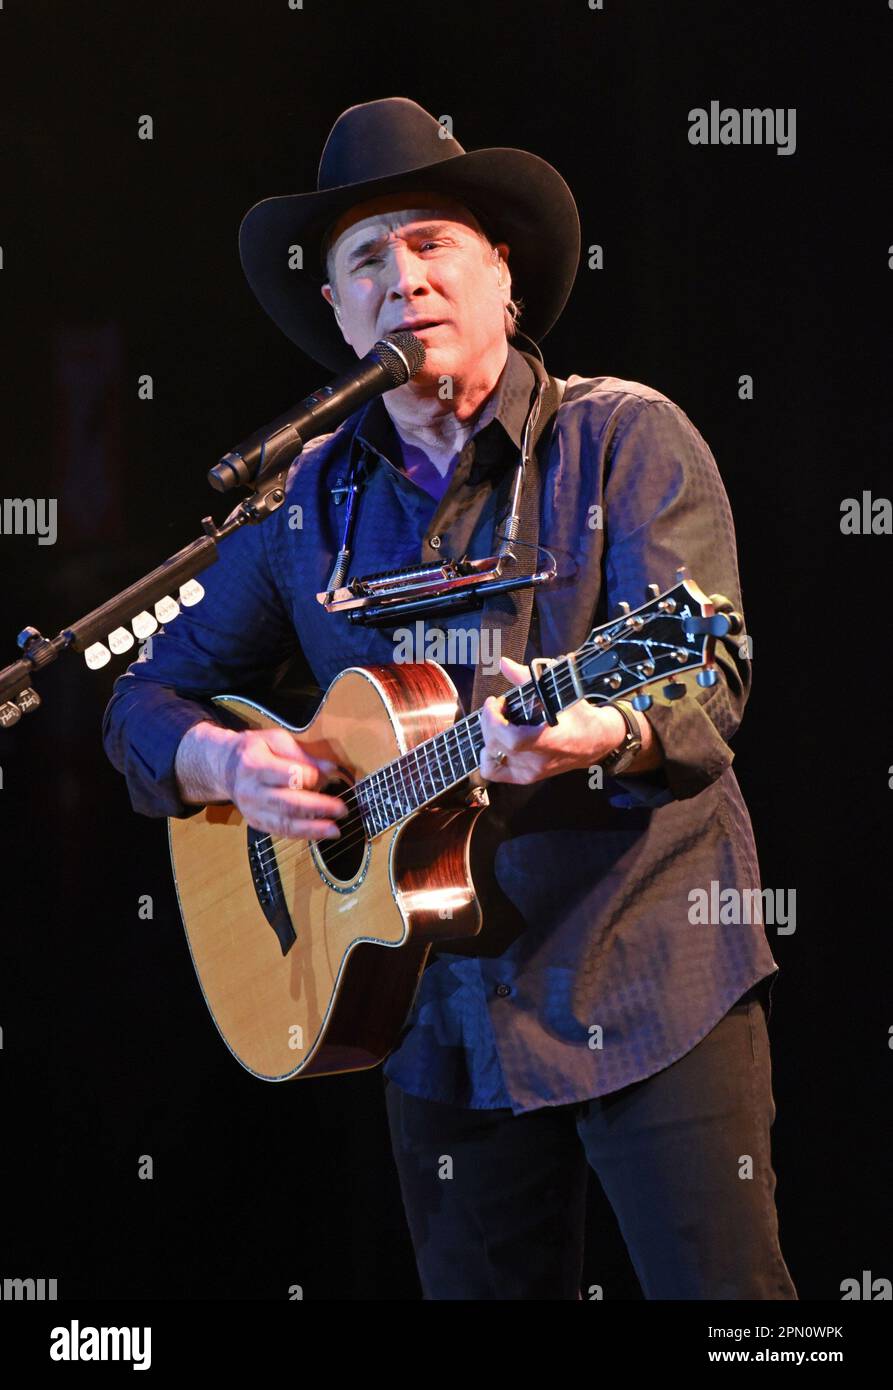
[[441, 427]]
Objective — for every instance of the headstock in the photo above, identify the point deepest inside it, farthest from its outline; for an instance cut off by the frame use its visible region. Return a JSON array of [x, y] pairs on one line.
[[657, 645]]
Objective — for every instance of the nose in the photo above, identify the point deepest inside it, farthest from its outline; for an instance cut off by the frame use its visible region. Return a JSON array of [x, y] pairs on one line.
[[407, 277]]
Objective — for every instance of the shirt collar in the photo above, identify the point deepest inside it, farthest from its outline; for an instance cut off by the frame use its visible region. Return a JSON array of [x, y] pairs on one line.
[[507, 406]]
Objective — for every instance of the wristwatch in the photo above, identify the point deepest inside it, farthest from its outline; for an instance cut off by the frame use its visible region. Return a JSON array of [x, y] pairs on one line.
[[620, 758]]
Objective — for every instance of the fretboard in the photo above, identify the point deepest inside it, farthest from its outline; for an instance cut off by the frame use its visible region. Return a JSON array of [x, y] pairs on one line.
[[656, 642], [401, 787]]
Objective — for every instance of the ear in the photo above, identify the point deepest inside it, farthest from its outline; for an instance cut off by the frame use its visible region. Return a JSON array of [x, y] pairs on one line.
[[505, 275], [328, 296]]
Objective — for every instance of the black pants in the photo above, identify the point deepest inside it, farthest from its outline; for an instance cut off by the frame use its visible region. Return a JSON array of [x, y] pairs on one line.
[[496, 1202]]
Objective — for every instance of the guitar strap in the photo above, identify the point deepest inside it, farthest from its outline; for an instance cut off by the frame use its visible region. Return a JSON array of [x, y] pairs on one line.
[[507, 616]]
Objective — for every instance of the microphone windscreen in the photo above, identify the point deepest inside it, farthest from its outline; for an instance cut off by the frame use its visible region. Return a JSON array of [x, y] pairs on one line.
[[407, 351]]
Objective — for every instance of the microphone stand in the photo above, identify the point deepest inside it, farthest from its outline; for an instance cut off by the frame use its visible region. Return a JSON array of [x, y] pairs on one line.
[[17, 694]]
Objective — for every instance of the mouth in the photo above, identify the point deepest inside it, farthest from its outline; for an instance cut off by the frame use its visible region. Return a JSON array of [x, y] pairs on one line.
[[419, 326]]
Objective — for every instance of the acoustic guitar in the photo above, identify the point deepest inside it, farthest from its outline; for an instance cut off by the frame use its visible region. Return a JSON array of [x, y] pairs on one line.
[[309, 953]]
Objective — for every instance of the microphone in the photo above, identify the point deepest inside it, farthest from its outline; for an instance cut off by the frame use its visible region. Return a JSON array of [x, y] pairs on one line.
[[390, 362]]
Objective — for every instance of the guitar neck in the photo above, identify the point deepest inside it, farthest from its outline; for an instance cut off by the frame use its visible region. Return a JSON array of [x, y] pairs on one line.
[[440, 763], [673, 632]]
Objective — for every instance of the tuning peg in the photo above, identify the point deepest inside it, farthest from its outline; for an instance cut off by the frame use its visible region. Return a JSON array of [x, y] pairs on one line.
[[623, 609], [652, 591], [120, 640], [191, 592], [641, 702], [681, 573], [97, 656], [674, 691], [707, 677]]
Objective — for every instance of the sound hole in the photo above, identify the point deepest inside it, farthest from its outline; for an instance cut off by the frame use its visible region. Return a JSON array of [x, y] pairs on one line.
[[343, 858]]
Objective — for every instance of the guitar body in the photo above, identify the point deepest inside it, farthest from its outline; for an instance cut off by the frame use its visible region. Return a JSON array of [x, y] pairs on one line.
[[309, 953]]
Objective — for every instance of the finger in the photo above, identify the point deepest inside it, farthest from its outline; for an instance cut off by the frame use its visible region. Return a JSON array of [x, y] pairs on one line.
[[297, 828], [492, 718], [282, 743], [311, 803], [285, 745], [293, 773], [514, 670], [491, 769], [499, 732]]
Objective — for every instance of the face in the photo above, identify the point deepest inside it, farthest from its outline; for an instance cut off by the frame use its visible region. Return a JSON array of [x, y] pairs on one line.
[[425, 267]]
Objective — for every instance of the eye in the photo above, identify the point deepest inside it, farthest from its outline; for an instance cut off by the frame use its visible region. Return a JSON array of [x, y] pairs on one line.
[[371, 260]]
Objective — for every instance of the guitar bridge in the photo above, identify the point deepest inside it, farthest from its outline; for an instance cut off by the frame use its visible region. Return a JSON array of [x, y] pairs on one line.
[[268, 887]]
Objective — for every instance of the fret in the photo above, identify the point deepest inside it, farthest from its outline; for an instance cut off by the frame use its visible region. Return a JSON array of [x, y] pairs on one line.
[[462, 728], [405, 783], [558, 699], [474, 733], [381, 781], [369, 803], [387, 804], [377, 810], [421, 775], [457, 731], [398, 790], [437, 745], [360, 790], [446, 744], [525, 693], [394, 801], [429, 772], [457, 749]]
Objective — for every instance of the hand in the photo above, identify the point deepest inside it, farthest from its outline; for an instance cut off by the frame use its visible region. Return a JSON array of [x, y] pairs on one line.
[[583, 735], [274, 784]]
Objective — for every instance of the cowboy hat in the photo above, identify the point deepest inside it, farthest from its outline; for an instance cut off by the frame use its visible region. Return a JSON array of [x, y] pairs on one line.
[[387, 146]]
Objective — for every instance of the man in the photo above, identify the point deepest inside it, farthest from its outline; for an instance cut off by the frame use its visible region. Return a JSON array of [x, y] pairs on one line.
[[594, 1024]]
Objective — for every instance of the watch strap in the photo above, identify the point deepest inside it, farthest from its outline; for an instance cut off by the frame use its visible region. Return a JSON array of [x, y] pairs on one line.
[[621, 756]]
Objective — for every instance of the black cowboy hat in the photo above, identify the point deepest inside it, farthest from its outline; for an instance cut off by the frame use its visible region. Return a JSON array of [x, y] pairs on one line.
[[394, 144]]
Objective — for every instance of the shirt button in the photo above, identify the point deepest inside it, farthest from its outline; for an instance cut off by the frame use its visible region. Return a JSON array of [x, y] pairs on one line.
[[434, 542], [503, 990]]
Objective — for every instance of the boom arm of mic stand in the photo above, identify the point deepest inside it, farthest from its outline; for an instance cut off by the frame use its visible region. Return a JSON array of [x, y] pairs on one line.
[[17, 695]]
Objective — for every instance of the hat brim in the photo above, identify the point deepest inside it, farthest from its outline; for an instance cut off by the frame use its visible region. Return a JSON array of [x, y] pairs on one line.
[[517, 197]]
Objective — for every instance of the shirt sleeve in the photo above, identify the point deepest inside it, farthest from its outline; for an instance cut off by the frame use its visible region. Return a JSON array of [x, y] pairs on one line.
[[665, 506], [235, 640]]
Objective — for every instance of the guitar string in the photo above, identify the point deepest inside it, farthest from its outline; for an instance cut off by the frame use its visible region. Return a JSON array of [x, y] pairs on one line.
[[339, 843], [303, 845], [298, 848], [564, 683], [352, 795]]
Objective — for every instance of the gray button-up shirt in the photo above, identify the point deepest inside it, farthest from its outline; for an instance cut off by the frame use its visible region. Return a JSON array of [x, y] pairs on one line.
[[593, 969]]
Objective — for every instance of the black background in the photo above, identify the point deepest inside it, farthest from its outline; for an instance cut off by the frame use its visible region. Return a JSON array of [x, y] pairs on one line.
[[719, 261]]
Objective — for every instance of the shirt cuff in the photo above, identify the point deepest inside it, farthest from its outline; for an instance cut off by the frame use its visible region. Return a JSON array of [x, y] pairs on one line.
[[146, 756]]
